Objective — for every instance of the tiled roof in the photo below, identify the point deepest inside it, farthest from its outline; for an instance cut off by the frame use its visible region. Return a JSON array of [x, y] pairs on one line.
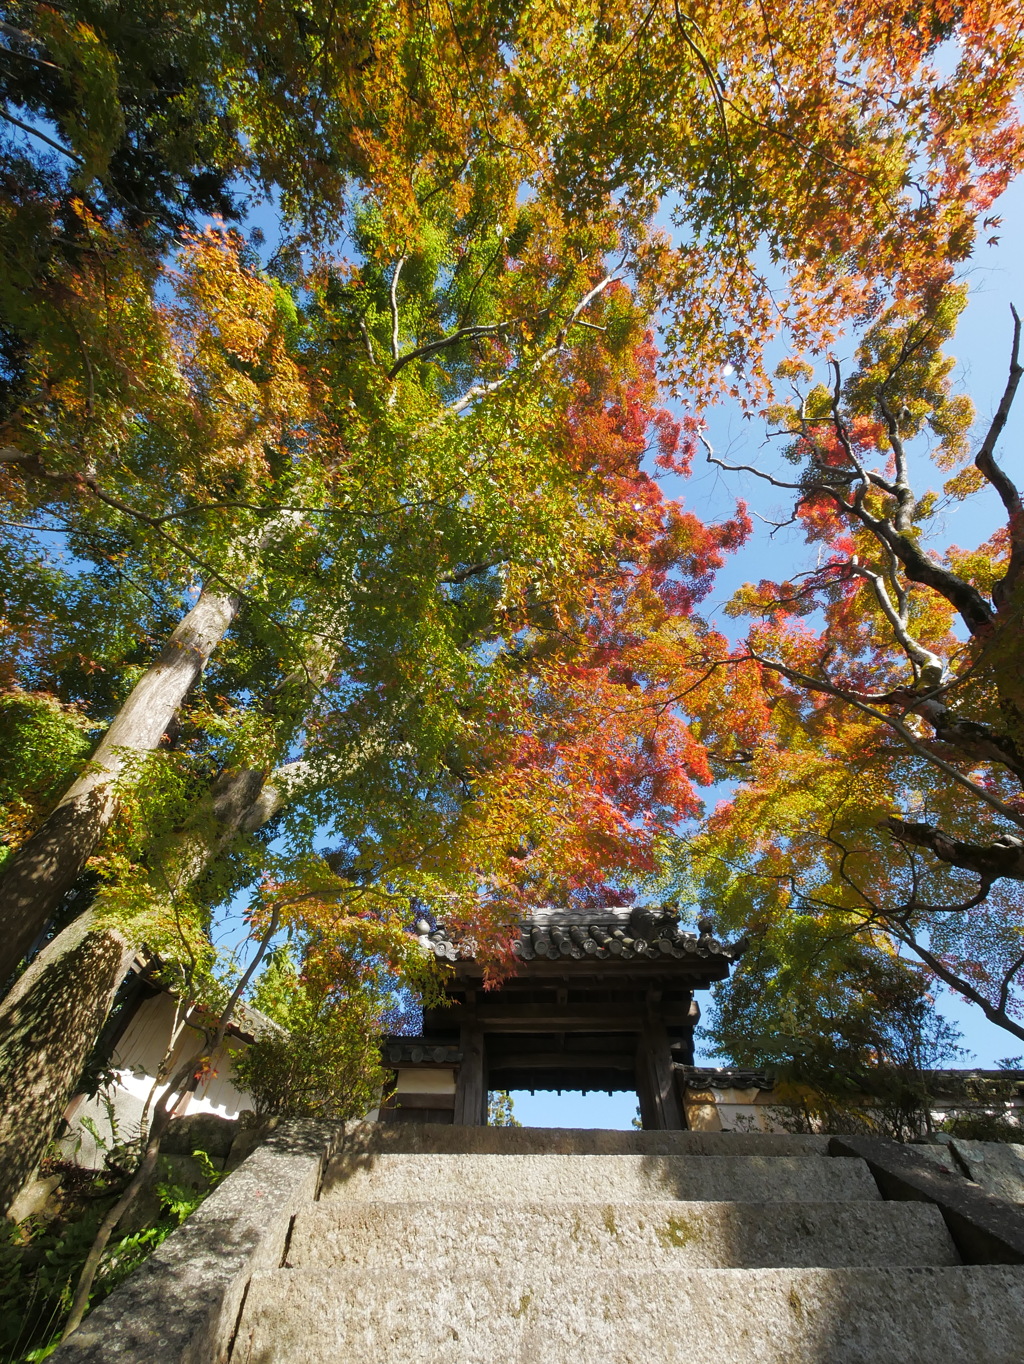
[[960, 1084], [249, 1023], [716, 1077], [626, 934]]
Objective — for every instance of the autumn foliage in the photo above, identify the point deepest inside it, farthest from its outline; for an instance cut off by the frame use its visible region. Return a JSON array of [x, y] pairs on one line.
[[882, 803], [410, 450]]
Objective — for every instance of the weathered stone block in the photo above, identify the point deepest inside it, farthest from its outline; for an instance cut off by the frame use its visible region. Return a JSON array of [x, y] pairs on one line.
[[200, 1132], [970, 1315], [247, 1139], [997, 1166], [985, 1229], [369, 1139], [616, 1179], [545, 1257], [544, 1237], [182, 1305]]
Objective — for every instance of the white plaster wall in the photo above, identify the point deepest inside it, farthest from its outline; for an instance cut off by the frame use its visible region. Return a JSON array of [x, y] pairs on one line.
[[421, 1080], [136, 1059]]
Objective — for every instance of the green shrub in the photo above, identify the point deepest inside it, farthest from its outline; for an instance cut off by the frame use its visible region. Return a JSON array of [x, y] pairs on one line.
[[324, 1059], [976, 1125]]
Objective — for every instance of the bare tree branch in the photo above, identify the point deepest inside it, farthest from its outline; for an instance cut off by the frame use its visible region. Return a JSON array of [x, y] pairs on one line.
[[367, 341], [969, 736], [916, 906], [712, 458], [896, 536], [927, 665], [919, 566], [394, 308], [463, 334], [985, 461], [1008, 978], [1003, 857], [483, 390], [949, 977], [473, 571], [34, 132]]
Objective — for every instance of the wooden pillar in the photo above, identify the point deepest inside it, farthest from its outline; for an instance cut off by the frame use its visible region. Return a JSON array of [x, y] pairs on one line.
[[471, 1085], [661, 1109]]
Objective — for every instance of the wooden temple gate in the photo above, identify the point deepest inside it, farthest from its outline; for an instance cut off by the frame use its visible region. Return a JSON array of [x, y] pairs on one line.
[[601, 1001]]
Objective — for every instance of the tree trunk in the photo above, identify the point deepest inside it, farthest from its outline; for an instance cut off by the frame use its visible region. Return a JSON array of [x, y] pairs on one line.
[[56, 1009], [50, 862], [47, 1024]]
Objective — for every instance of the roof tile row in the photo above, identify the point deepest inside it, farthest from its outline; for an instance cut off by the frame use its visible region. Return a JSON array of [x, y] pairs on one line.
[[644, 932]]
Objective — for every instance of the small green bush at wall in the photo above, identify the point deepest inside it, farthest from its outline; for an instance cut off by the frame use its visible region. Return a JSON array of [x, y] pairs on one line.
[[324, 1059]]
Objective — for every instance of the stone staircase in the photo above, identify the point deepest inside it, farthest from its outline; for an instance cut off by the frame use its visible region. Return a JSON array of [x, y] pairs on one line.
[[442, 1245]]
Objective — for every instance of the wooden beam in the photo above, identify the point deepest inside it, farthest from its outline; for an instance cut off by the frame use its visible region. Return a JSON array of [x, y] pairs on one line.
[[421, 1101], [508, 1016], [471, 1082], [688, 973], [553, 1060], [660, 1106]]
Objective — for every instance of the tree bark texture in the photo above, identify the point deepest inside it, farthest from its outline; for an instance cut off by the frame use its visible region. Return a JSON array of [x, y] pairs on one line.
[[47, 1025], [53, 1015], [1002, 857], [50, 862]]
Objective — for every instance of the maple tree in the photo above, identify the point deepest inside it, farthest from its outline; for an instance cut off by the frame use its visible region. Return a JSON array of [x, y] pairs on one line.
[[484, 510], [883, 797], [504, 522], [389, 499], [60, 304], [846, 1029], [833, 140]]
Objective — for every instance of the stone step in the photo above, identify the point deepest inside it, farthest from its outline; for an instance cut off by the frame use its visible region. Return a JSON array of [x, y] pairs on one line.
[[414, 1138], [971, 1314], [612, 1179], [422, 1238]]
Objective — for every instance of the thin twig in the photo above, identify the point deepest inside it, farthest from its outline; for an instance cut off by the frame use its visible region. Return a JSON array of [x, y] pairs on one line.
[[34, 132], [817, 684]]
